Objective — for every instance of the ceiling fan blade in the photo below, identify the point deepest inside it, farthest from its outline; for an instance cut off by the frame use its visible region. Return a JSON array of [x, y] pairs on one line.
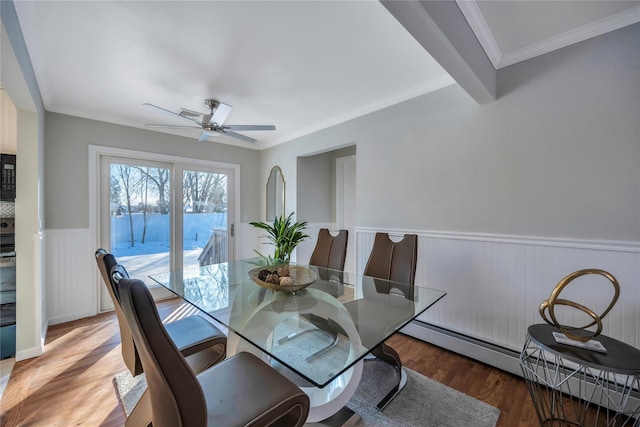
[[249, 127], [220, 114], [205, 136], [164, 110], [239, 136], [173, 126]]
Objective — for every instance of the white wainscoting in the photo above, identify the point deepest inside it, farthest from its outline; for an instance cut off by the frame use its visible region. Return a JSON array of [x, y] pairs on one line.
[[71, 275], [495, 284]]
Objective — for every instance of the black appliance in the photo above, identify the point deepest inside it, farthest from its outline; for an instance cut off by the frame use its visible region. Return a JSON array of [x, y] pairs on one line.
[[7, 288], [8, 186], [7, 237]]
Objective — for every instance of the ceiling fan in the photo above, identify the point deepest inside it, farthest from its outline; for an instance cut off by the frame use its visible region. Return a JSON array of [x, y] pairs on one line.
[[211, 123]]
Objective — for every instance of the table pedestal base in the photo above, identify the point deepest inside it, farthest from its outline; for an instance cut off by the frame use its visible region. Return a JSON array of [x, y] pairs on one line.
[[345, 417], [326, 401]]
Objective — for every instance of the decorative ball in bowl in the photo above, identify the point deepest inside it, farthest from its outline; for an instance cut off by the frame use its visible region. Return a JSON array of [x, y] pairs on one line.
[[287, 278]]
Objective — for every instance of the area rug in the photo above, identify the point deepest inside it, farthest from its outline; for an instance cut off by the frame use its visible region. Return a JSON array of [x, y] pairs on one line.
[[422, 403]]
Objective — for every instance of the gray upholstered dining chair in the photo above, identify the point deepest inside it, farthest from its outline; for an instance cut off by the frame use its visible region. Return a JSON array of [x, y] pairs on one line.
[[385, 304], [200, 342], [396, 262], [239, 391], [128, 349], [329, 256], [330, 253]]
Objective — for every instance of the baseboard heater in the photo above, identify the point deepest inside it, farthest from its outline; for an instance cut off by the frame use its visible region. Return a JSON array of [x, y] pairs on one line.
[[482, 351]]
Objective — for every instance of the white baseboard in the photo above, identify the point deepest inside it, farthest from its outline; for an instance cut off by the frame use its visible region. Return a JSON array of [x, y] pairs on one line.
[[70, 317], [29, 353]]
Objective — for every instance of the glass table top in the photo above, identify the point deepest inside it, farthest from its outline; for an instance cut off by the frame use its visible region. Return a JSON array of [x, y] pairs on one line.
[[318, 332]]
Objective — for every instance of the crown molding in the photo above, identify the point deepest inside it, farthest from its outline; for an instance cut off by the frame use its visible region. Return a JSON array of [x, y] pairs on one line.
[[430, 86], [480, 28], [478, 24], [596, 28]]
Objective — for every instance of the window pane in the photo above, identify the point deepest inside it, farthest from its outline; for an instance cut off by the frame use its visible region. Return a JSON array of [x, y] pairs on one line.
[[140, 217], [204, 218]]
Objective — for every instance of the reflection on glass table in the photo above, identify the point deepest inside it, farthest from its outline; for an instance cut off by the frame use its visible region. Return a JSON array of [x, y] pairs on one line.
[[318, 336]]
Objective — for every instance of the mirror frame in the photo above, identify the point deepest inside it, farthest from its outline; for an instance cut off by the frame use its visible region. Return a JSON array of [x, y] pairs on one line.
[[275, 176]]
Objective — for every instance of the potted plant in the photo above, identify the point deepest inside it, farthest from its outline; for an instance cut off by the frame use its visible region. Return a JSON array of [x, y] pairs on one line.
[[274, 272], [284, 235]]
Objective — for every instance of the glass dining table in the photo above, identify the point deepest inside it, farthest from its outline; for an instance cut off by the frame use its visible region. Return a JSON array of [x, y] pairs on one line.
[[317, 336]]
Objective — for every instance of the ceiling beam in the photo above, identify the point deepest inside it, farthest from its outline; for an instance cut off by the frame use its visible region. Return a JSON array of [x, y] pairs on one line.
[[16, 72], [442, 30]]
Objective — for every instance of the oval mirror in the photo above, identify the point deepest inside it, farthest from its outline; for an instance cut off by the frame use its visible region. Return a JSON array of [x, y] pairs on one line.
[[275, 194]]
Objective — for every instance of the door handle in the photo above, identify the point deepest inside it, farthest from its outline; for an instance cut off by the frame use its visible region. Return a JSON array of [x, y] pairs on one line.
[[232, 230]]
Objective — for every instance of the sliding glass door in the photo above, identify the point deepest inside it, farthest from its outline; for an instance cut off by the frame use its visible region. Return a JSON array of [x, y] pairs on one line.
[[158, 216]]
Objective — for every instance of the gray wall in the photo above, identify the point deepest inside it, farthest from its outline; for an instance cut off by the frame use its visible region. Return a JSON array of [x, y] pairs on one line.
[[557, 155], [315, 191], [66, 169]]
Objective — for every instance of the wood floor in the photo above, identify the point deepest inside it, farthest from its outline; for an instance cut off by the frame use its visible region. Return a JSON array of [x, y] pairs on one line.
[[71, 384]]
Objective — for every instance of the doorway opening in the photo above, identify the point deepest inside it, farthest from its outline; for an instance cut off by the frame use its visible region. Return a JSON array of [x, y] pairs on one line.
[[326, 198]]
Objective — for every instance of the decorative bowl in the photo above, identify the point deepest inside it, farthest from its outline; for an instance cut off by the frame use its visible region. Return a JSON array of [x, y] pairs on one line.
[[301, 276]]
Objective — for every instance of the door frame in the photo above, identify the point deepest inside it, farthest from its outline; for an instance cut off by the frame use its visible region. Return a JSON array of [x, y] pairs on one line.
[[341, 165], [98, 151]]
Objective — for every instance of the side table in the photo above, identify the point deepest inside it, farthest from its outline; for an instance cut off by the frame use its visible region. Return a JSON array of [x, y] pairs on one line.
[[574, 386]]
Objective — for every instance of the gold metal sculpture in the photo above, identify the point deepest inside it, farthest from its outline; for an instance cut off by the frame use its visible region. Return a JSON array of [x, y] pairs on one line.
[[549, 305]]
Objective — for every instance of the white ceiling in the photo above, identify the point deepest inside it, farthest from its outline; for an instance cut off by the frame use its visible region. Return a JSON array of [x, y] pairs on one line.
[[299, 65]]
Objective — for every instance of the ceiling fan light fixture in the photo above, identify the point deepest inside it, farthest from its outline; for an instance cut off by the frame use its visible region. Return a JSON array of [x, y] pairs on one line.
[[189, 114]]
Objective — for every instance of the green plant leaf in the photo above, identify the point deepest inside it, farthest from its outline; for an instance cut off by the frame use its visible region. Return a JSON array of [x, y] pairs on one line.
[[283, 234]]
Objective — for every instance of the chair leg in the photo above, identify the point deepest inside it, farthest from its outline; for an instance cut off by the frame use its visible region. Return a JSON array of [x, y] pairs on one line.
[[325, 327], [141, 414], [390, 356], [394, 391], [323, 350]]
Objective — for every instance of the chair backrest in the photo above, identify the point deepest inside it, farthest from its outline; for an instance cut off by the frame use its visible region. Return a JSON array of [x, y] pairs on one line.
[[106, 262], [174, 391], [330, 251], [100, 253], [116, 272], [395, 261]]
